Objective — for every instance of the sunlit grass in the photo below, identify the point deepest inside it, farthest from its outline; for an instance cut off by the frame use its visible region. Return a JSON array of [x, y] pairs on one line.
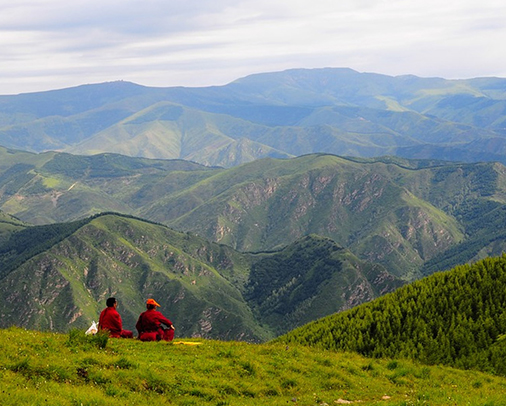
[[62, 369]]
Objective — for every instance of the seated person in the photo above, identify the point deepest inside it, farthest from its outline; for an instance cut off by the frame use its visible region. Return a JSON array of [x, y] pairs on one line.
[[150, 324], [110, 320]]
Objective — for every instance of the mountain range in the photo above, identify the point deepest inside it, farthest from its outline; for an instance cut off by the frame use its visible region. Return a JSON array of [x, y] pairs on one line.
[[412, 216], [58, 276], [247, 209], [280, 115]]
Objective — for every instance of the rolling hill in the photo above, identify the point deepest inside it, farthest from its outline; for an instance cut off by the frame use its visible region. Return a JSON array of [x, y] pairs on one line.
[[280, 114], [412, 216], [455, 318], [58, 276], [9, 225]]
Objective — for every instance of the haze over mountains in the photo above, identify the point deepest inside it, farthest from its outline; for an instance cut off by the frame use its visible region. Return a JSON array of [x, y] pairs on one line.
[[282, 114]]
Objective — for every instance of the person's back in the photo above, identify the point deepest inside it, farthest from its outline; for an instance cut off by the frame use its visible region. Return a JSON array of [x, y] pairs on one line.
[[149, 324], [110, 320]]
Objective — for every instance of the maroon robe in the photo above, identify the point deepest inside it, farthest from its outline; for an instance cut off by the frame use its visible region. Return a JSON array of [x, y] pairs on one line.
[[150, 327]]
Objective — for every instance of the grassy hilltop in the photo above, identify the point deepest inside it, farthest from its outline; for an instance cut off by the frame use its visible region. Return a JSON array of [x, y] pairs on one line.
[[452, 318], [56, 369]]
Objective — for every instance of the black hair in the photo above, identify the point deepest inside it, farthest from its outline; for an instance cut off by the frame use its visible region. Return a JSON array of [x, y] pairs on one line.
[[110, 302], [150, 306]]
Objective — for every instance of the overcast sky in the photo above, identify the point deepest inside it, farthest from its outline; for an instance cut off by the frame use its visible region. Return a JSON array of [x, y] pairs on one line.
[[50, 44]]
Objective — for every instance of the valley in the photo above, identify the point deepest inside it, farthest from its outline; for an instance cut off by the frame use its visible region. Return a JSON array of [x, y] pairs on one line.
[[310, 196]]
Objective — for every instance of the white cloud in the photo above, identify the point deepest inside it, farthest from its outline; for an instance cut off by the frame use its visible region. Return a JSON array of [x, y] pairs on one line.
[[49, 44]]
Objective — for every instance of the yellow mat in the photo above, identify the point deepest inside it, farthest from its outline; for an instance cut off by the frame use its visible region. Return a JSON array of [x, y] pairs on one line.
[[185, 342]]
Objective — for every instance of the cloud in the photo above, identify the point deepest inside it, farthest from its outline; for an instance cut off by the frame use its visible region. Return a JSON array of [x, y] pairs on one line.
[[49, 44]]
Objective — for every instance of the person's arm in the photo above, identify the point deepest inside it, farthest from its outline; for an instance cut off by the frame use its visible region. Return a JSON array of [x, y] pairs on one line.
[[164, 320], [116, 321]]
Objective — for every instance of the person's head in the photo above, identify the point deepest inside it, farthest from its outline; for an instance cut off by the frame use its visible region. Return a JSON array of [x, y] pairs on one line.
[[111, 302], [151, 304]]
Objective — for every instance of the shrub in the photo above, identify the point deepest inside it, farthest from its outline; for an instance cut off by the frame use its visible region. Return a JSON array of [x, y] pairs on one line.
[[79, 340]]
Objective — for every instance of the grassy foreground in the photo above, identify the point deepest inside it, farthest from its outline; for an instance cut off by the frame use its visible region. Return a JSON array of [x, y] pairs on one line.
[[71, 369]]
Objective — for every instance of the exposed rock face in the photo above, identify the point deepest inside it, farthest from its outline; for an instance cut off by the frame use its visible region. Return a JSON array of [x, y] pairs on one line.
[[112, 256], [399, 212], [364, 207], [401, 216], [200, 285]]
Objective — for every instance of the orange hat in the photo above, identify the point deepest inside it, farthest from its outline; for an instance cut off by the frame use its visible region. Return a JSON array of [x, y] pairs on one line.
[[152, 302]]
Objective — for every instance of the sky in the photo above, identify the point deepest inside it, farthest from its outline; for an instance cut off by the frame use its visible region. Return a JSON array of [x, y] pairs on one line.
[[53, 44]]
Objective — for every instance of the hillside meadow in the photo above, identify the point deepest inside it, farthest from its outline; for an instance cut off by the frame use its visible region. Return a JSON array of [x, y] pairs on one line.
[[38, 368]]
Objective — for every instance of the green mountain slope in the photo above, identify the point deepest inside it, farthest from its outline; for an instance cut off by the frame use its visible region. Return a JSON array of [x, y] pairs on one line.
[[55, 187], [289, 113], [9, 225], [454, 318], [413, 216], [171, 131], [311, 278], [58, 276], [268, 203], [67, 283], [66, 370]]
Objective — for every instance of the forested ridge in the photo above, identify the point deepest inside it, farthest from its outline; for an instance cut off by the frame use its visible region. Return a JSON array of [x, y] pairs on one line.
[[310, 278], [455, 318]]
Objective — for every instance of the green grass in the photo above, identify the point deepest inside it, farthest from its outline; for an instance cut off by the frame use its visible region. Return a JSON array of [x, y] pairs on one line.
[[72, 369]]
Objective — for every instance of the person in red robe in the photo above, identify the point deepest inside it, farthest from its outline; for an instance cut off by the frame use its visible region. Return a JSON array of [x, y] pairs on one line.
[[150, 324], [110, 320]]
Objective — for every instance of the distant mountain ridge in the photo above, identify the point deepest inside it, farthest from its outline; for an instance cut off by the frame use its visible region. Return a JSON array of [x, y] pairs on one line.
[[281, 114], [413, 216]]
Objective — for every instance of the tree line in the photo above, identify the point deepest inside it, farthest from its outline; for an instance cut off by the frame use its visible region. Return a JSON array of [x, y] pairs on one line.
[[455, 318]]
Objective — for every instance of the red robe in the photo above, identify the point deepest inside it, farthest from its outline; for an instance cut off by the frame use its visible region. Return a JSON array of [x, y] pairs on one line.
[[150, 328], [111, 320]]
